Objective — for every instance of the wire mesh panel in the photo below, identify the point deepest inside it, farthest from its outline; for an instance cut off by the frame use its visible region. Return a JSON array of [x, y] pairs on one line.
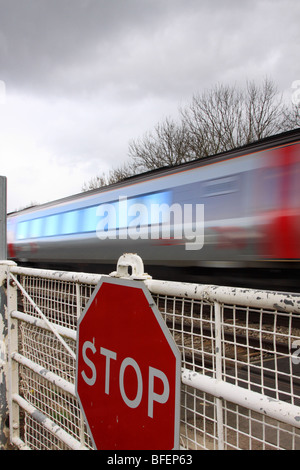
[[250, 347], [192, 325], [246, 429], [57, 405], [257, 351], [62, 303], [198, 428]]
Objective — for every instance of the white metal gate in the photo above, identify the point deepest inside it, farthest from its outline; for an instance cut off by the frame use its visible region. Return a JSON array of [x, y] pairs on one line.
[[239, 347]]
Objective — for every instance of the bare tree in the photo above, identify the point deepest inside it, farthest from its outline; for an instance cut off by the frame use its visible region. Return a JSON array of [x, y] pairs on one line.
[[166, 146], [121, 173], [291, 117], [95, 182], [216, 120], [213, 121], [263, 112], [113, 176], [226, 117]]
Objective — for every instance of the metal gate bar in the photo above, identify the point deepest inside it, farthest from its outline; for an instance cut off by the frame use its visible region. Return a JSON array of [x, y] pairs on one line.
[[240, 373]]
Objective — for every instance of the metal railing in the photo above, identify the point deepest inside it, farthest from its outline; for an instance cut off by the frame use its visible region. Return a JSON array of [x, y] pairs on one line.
[[239, 348]]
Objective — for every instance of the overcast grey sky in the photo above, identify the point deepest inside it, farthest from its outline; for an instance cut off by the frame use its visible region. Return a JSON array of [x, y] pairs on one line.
[[80, 78]]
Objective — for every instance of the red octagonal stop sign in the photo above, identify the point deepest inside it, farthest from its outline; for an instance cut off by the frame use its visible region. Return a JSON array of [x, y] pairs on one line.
[[128, 370]]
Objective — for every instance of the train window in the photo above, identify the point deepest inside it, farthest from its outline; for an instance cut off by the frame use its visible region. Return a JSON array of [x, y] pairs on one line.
[[220, 197], [35, 229], [22, 230], [51, 226], [271, 184], [69, 222], [220, 186], [148, 207], [88, 219]]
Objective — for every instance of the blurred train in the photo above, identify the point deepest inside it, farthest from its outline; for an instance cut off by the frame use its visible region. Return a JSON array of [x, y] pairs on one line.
[[248, 200]]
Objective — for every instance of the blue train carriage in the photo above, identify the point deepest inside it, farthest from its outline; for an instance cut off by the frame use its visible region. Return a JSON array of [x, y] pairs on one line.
[[240, 207]]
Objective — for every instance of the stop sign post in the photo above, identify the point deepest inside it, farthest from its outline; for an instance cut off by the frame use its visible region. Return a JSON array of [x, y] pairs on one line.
[[127, 370]]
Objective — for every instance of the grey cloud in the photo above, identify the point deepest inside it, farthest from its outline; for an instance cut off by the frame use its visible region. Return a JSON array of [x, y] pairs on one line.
[[131, 49], [83, 77], [43, 42], [66, 46]]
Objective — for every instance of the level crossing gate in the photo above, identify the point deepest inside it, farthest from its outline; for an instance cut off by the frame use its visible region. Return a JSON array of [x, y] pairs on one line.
[[240, 358]]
